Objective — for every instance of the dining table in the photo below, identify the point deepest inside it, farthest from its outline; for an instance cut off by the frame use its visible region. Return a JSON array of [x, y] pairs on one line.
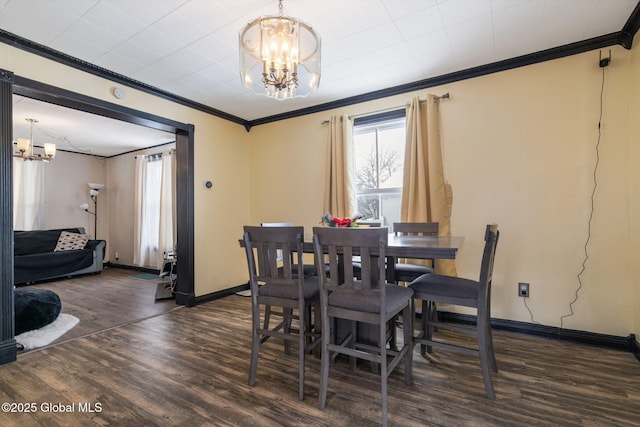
[[410, 246], [419, 247]]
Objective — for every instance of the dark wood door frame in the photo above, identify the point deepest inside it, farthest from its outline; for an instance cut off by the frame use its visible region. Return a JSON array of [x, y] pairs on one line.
[[10, 84]]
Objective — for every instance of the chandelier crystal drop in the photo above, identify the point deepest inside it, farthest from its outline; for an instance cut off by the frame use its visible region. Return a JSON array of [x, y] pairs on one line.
[[280, 56]]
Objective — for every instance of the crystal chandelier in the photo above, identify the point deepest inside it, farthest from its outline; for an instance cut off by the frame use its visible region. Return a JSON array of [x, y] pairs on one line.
[[280, 56], [25, 148]]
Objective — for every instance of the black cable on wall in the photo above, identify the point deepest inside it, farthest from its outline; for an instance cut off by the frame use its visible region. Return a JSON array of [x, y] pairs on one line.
[[604, 62]]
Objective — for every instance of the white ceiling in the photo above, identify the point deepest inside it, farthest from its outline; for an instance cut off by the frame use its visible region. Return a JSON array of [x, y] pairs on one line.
[[190, 47], [80, 132]]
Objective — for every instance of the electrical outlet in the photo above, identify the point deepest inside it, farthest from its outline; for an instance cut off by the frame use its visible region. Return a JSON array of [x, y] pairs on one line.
[[523, 290]]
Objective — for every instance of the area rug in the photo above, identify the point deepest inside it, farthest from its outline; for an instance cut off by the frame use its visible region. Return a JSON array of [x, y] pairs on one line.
[[47, 334]]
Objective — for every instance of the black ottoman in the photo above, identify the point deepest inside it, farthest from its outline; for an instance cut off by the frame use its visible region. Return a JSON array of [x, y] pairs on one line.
[[35, 308]]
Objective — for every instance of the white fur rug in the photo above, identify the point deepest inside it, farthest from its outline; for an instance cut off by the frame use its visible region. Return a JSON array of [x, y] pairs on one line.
[[47, 334]]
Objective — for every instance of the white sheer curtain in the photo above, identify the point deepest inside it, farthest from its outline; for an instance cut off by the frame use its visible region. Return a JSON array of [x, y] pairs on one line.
[[153, 228], [28, 194], [166, 237]]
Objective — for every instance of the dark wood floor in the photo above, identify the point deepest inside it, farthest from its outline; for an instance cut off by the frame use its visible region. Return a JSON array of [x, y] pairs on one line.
[[189, 367], [112, 298]]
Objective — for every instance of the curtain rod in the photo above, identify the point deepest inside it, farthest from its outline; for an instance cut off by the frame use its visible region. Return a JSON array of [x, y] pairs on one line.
[[158, 154], [371, 113]]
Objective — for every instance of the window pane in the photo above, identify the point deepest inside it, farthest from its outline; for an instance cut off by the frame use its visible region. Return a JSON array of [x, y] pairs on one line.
[[391, 142], [365, 147], [379, 161]]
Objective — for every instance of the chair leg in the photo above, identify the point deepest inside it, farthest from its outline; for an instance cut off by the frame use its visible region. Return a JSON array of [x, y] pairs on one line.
[[352, 344], [382, 335], [407, 327], [324, 362], [492, 354], [308, 325], [302, 339], [483, 347], [433, 313], [267, 316], [288, 316], [255, 347], [393, 324], [427, 328]]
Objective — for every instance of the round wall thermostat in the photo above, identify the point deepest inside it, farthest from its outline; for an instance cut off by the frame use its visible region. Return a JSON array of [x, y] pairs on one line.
[[119, 93]]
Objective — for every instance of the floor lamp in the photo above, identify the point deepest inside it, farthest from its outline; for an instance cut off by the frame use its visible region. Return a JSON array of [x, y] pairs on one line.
[[94, 190]]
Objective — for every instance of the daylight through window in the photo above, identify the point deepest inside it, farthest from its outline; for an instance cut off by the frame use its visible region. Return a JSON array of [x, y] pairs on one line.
[[379, 143]]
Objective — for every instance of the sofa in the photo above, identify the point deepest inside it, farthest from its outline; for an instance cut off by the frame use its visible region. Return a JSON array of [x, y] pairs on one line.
[[49, 254]]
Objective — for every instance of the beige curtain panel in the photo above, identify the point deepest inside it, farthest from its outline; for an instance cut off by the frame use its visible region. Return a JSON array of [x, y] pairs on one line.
[[339, 198], [425, 195]]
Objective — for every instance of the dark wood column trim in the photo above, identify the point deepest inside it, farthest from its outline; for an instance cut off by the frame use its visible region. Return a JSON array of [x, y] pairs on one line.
[[8, 351], [185, 294]]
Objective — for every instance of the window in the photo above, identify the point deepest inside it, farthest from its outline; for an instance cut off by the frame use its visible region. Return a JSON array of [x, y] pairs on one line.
[[150, 221], [154, 202], [379, 142]]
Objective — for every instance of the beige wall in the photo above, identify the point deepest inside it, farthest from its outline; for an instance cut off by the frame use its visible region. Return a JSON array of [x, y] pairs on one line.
[[65, 189], [221, 150], [519, 150], [634, 183]]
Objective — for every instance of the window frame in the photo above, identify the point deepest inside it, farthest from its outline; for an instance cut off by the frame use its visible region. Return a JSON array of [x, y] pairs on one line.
[[375, 123]]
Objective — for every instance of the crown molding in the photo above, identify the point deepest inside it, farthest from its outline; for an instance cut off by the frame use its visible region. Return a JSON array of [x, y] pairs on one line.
[[623, 38]]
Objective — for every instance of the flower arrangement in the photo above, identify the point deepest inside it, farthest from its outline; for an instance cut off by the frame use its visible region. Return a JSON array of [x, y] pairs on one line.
[[330, 221]]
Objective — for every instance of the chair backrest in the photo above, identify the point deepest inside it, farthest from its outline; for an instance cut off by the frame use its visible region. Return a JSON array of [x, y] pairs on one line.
[[416, 228], [277, 224], [274, 255], [340, 245], [491, 237]]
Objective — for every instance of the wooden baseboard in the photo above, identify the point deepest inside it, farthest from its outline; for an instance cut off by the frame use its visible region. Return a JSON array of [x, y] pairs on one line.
[[635, 346], [628, 343], [221, 294], [8, 351], [132, 267], [188, 299]]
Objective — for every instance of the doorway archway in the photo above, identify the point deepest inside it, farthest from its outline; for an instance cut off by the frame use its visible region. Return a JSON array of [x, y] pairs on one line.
[[10, 84]]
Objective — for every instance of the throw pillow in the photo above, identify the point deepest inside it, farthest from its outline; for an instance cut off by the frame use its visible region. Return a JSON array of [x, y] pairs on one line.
[[71, 241]]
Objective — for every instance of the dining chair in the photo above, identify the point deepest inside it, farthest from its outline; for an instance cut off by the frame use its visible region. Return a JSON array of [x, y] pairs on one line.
[[309, 269], [347, 301], [276, 279], [433, 288], [364, 223], [406, 272]]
